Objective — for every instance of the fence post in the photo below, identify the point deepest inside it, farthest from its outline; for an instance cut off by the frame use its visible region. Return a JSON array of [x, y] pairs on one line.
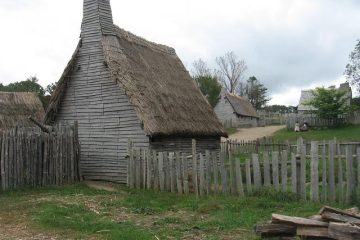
[[284, 158], [178, 173], [332, 194], [294, 173], [161, 171], [185, 173], [340, 175], [202, 174], [256, 170], [358, 165], [275, 168], [194, 168], [216, 172], [324, 173], [248, 176], [267, 180], [350, 180], [208, 171], [239, 183], [314, 196], [224, 179]]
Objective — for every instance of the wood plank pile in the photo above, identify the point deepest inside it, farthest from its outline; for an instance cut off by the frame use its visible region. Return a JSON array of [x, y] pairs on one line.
[[330, 223]]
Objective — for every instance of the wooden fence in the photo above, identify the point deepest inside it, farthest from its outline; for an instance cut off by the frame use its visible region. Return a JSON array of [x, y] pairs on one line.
[[260, 145], [31, 158], [327, 174], [313, 121]]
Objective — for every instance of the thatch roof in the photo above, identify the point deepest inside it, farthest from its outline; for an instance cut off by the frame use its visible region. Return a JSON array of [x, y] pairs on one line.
[[16, 107], [241, 106], [157, 84]]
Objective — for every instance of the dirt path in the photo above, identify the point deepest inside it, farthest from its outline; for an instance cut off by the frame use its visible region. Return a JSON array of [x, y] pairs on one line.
[[249, 134]]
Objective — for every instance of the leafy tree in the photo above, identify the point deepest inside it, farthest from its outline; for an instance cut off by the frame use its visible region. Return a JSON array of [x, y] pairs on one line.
[[210, 87], [256, 93], [352, 70], [329, 103], [29, 85], [231, 72], [50, 89]]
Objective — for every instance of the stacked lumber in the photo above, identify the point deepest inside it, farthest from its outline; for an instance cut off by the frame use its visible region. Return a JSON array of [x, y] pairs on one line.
[[330, 223]]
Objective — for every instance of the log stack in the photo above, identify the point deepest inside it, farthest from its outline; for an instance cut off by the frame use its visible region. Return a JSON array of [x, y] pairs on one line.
[[330, 223]]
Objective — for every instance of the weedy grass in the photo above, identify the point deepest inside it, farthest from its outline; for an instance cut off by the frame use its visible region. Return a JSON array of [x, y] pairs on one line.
[[346, 133], [78, 212]]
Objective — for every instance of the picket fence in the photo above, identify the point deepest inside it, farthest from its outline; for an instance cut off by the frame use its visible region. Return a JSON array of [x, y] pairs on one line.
[[326, 174], [32, 158]]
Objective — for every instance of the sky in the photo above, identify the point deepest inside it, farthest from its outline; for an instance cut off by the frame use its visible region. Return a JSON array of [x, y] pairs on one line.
[[288, 45]]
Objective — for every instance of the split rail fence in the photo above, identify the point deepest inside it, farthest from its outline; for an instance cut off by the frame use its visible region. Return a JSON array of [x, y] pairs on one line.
[[325, 172], [32, 158]]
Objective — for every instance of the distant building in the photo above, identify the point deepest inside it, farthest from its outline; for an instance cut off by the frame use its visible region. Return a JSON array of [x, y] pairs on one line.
[[307, 95], [235, 111]]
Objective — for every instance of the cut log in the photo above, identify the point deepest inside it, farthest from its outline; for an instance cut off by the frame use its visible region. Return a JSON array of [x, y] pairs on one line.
[[344, 231], [275, 230], [337, 217], [297, 221], [305, 231], [349, 212]]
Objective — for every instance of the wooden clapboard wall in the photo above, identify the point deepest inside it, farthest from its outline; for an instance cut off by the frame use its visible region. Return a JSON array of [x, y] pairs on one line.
[[106, 118], [184, 144]]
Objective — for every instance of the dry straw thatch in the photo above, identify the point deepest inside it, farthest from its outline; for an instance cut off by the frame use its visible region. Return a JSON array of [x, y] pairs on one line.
[[16, 107], [157, 84], [241, 106]]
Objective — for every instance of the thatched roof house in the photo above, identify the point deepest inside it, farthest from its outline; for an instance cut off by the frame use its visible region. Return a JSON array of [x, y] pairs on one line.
[[235, 111], [120, 86], [16, 107]]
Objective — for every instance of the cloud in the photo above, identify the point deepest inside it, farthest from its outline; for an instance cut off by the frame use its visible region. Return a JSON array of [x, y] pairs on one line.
[[288, 44]]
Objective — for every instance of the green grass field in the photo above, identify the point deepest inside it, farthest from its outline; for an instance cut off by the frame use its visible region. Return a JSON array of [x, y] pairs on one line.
[[78, 212], [346, 133]]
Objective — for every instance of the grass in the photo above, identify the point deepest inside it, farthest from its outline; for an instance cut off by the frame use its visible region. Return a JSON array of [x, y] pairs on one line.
[[230, 131], [346, 133], [78, 212]]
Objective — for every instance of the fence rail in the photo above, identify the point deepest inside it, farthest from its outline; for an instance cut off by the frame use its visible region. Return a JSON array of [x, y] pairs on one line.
[[30, 158], [326, 174]]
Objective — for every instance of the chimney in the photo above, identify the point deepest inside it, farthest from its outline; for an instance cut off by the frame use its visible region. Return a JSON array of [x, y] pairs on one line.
[[97, 19]]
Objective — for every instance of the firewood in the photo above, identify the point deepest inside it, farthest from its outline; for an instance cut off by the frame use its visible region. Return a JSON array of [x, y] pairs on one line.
[[297, 221], [344, 231], [275, 230]]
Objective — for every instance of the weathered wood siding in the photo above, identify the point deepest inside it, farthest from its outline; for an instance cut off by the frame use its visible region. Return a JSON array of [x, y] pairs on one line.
[[106, 118], [183, 144], [226, 115], [224, 111]]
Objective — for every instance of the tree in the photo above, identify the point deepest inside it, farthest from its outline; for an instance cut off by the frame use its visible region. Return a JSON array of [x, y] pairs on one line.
[[210, 87], [256, 93], [50, 89], [200, 68], [231, 72], [352, 71], [29, 85], [329, 103]]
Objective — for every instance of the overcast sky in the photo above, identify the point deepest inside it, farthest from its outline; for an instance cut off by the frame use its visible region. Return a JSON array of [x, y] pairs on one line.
[[289, 45]]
